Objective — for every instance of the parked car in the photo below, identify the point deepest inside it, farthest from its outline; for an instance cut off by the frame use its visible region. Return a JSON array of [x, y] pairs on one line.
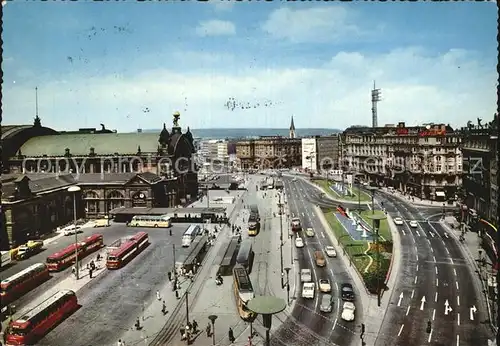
[[347, 292], [299, 242], [70, 230], [310, 232], [324, 285], [330, 251], [413, 224], [348, 311], [326, 303], [398, 221]]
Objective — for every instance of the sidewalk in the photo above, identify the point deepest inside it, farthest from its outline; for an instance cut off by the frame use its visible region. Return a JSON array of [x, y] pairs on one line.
[[373, 315], [470, 249], [70, 282], [416, 200]]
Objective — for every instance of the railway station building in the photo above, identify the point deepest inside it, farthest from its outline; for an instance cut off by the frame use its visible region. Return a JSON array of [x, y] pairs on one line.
[[112, 169]]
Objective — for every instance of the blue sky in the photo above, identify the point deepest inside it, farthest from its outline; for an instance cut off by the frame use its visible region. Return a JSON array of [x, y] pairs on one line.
[[130, 65]]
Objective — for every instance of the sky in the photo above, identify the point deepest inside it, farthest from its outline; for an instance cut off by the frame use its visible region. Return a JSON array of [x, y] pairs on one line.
[[223, 64]]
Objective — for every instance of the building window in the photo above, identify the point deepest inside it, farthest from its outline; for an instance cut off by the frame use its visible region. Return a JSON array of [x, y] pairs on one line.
[[92, 202]]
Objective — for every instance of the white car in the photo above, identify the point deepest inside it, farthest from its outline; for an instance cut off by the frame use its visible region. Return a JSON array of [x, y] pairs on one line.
[[71, 230], [348, 311], [413, 224], [398, 221], [299, 242], [308, 290], [324, 286], [330, 251]]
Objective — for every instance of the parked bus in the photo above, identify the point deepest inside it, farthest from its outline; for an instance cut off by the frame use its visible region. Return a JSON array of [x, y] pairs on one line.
[[35, 322], [162, 221], [191, 233], [245, 255], [64, 258], [254, 221], [18, 284], [296, 226], [127, 251], [243, 292]]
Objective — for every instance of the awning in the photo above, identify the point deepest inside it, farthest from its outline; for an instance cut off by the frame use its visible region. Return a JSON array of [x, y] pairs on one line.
[[440, 194]]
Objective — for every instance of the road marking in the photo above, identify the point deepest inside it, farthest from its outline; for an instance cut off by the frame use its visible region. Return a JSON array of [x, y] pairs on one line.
[[415, 280], [448, 252], [433, 314], [400, 299], [422, 302], [417, 257], [417, 267], [401, 329], [434, 257], [432, 250], [447, 307], [430, 337], [458, 340], [322, 234], [458, 318], [408, 311], [472, 311], [302, 213], [334, 324], [412, 293], [437, 282], [403, 231], [416, 249], [436, 297], [456, 283], [458, 300], [455, 271], [436, 270], [418, 233], [451, 260], [432, 234]]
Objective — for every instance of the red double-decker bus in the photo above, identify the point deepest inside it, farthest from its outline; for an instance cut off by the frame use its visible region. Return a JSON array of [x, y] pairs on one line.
[[18, 284], [128, 250], [35, 322], [66, 256]]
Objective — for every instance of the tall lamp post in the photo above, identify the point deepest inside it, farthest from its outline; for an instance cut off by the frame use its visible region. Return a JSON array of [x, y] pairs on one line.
[[212, 319], [372, 190], [74, 190], [280, 205], [376, 226], [287, 270]]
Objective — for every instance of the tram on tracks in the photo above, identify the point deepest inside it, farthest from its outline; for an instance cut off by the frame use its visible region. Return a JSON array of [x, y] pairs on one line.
[[35, 322], [127, 251], [67, 256], [243, 292]]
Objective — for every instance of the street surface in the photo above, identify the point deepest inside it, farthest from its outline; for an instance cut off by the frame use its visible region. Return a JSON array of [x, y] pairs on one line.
[[434, 285]]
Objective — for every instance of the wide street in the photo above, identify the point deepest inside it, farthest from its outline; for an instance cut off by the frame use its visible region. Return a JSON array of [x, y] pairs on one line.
[[435, 286], [308, 323]]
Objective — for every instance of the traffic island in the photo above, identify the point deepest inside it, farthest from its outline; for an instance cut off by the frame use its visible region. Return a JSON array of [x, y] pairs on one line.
[[355, 194]]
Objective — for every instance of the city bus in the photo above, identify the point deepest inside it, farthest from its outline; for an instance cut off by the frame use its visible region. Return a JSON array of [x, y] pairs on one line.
[[296, 226], [64, 258], [162, 221], [243, 293], [127, 251], [191, 233], [245, 255], [18, 284], [35, 322]]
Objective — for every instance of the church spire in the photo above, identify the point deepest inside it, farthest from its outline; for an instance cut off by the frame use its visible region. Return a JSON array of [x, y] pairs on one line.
[[292, 129]]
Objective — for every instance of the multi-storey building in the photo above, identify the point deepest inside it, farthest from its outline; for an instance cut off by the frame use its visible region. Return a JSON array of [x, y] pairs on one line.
[[424, 161], [480, 157], [321, 152], [214, 149], [270, 151]]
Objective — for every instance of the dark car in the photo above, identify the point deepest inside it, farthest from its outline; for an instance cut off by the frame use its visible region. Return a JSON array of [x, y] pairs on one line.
[[347, 292]]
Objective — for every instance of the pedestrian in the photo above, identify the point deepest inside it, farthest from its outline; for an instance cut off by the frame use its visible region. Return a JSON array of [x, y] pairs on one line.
[[177, 294], [170, 231], [231, 335], [208, 329], [195, 326], [90, 273], [164, 308], [169, 274], [158, 295]]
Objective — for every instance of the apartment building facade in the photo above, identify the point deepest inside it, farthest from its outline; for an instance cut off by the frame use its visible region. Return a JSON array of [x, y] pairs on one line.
[[214, 150], [423, 161], [320, 153], [269, 152]]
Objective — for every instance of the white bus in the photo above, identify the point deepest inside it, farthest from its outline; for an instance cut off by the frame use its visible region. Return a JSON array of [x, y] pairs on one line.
[[192, 232], [150, 221]]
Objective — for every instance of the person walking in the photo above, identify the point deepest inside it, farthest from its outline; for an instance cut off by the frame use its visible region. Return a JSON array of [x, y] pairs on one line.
[[208, 329], [231, 335], [169, 275], [195, 326], [177, 294]]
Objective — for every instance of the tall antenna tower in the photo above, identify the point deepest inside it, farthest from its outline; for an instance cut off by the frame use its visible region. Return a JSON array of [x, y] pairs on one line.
[[375, 98], [36, 101]]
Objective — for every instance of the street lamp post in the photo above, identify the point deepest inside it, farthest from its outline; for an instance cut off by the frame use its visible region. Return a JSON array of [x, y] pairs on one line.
[[281, 235], [287, 270], [291, 248], [212, 319], [376, 226], [74, 190]]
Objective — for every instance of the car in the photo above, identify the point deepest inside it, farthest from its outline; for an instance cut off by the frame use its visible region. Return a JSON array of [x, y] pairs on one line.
[[310, 232], [347, 292], [348, 311], [326, 303], [70, 230], [299, 242], [398, 221], [308, 290], [413, 224], [324, 286], [330, 251], [305, 275]]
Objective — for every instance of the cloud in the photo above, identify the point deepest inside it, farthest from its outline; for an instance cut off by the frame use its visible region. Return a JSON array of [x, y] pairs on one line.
[[312, 24], [215, 28], [417, 87], [222, 6]]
